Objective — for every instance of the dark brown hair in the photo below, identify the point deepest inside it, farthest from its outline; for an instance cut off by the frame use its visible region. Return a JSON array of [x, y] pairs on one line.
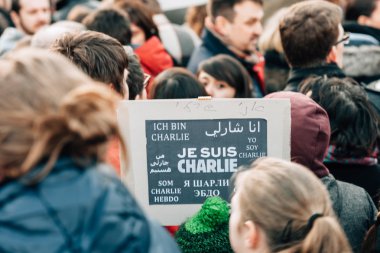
[[225, 8], [355, 125], [100, 56], [16, 6], [357, 8], [176, 83], [308, 31], [112, 22], [226, 68], [140, 15]]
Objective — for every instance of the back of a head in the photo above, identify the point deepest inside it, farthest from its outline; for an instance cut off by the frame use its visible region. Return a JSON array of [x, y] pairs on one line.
[[308, 32], [46, 36], [353, 120], [225, 8], [310, 131], [153, 5], [48, 107], [100, 56], [289, 204], [139, 15], [228, 69], [177, 83], [357, 8], [136, 79], [270, 38], [112, 22]]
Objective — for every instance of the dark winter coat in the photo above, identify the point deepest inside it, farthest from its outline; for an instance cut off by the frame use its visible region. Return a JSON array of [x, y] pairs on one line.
[[310, 136], [212, 46], [76, 209]]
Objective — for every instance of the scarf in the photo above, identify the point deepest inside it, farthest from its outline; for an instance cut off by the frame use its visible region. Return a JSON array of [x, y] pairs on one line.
[[368, 160]]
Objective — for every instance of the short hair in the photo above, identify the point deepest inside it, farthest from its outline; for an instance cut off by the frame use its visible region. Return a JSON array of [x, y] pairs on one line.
[[49, 107], [225, 68], [46, 36], [135, 79], [16, 6], [176, 83], [225, 8], [355, 125], [357, 8], [100, 56], [112, 22], [308, 31], [140, 15]]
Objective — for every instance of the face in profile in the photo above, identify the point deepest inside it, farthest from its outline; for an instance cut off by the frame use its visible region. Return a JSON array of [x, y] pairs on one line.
[[216, 88], [33, 15], [245, 30], [138, 35]]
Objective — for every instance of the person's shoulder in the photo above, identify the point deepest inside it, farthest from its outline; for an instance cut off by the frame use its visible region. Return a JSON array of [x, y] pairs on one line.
[[200, 54]]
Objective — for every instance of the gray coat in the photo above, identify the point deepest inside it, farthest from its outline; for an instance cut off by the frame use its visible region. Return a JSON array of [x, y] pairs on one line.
[[354, 208]]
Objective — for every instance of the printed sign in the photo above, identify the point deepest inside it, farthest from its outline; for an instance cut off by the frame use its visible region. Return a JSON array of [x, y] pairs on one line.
[[188, 160], [182, 151]]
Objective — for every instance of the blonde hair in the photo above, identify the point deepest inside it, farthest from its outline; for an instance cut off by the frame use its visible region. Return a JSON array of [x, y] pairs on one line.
[[48, 107], [270, 39], [283, 199]]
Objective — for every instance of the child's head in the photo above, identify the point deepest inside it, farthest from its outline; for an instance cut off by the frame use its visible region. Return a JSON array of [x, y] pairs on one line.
[[176, 83], [49, 107], [279, 205], [225, 77]]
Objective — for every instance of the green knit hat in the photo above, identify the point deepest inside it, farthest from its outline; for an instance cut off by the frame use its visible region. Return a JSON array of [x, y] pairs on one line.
[[207, 230]]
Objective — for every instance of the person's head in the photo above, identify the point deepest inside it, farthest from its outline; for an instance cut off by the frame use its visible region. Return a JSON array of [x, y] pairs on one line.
[[310, 131], [312, 34], [78, 13], [365, 12], [49, 108], [238, 21], [46, 36], [225, 77], [195, 18], [270, 39], [30, 15], [176, 83], [153, 5], [279, 206], [142, 24], [100, 56], [112, 22], [354, 122], [137, 80]]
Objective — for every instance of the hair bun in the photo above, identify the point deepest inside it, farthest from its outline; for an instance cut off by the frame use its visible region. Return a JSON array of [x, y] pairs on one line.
[[90, 112]]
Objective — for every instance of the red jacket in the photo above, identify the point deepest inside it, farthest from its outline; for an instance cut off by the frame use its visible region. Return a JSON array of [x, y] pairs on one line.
[[153, 57]]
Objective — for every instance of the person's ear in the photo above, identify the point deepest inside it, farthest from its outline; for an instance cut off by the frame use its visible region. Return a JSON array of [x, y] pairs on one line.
[[142, 96], [364, 20], [252, 235], [222, 25], [332, 56], [15, 19]]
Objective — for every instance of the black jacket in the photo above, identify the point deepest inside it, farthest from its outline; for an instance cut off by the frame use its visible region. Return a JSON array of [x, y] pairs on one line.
[[297, 75], [212, 46]]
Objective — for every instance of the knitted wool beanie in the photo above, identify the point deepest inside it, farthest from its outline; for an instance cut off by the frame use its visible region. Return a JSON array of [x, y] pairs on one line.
[[207, 230]]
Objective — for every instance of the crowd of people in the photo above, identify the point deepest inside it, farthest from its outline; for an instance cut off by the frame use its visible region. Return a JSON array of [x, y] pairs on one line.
[[66, 64]]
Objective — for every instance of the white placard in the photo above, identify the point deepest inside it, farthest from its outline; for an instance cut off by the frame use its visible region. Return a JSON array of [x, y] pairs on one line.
[[182, 151]]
